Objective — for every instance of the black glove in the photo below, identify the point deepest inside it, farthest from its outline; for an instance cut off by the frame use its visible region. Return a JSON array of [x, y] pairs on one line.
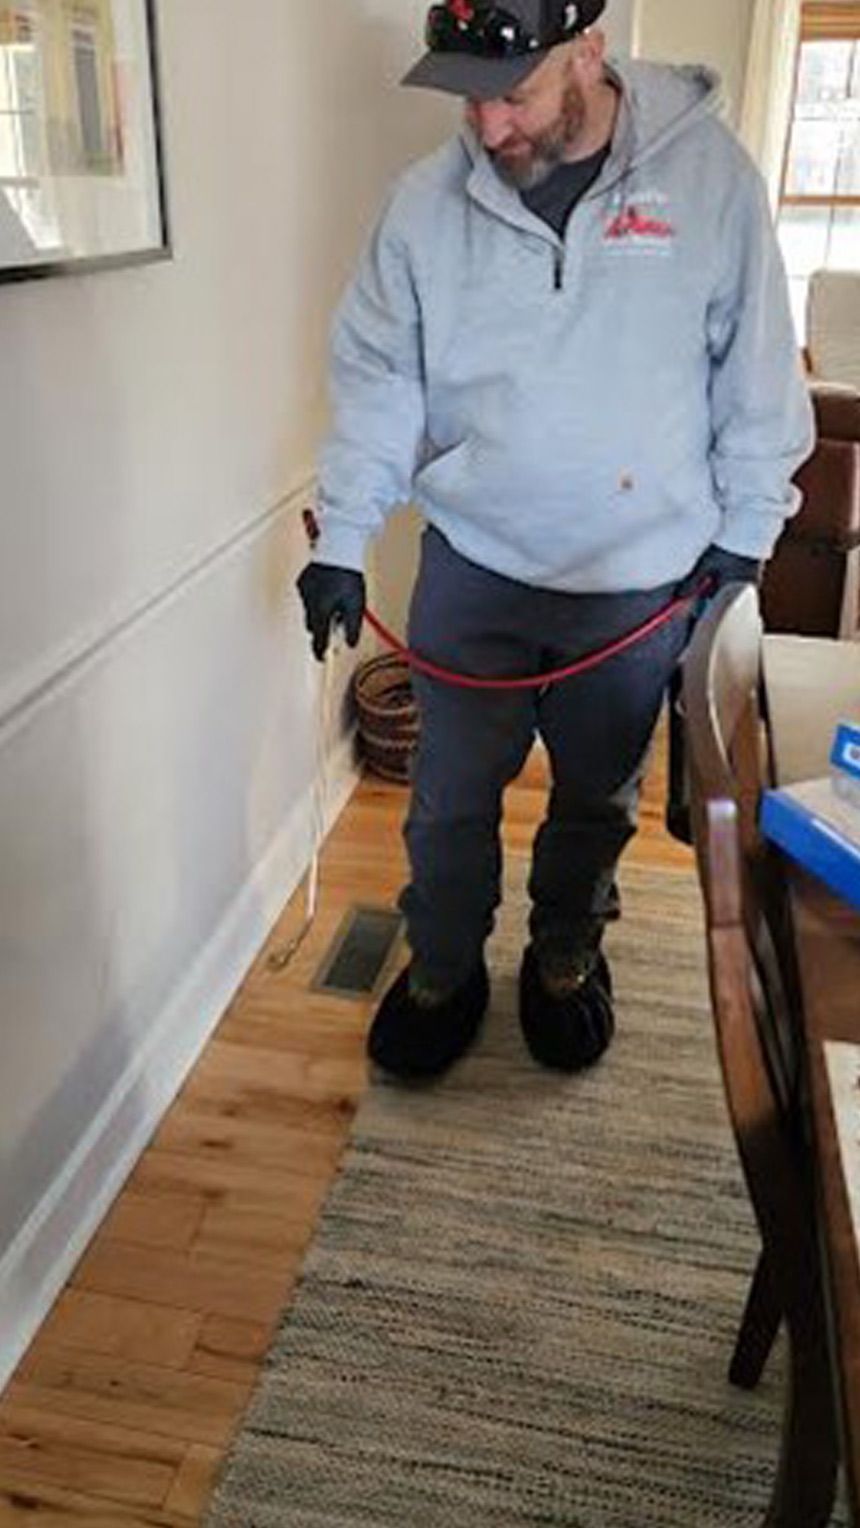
[[330, 594], [723, 568]]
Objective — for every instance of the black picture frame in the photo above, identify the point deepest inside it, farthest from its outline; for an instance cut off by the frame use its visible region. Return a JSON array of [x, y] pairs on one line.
[[162, 248]]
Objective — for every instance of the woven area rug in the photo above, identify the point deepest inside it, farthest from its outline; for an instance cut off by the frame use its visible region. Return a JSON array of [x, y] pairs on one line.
[[524, 1292]]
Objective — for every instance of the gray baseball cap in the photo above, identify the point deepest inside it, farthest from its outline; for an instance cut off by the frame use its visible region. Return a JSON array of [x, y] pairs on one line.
[[484, 51]]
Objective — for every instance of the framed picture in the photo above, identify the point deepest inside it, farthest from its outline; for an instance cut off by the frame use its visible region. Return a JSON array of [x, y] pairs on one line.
[[81, 171]]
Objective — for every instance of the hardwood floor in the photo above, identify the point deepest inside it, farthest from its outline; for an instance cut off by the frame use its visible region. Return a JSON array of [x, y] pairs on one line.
[[121, 1411]]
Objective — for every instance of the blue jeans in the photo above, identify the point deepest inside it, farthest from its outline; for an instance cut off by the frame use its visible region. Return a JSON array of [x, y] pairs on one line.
[[597, 729]]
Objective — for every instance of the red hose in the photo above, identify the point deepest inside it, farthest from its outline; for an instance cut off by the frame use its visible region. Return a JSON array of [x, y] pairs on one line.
[[540, 681]]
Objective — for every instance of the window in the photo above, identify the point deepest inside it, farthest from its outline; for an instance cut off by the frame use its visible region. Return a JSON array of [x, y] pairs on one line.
[[819, 220], [22, 148], [20, 156]]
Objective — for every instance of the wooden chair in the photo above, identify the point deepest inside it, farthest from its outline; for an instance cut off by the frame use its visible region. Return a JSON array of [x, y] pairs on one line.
[[755, 999]]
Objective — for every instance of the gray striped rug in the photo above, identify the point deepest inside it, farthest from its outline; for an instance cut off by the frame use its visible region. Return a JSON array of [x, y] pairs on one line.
[[522, 1298]]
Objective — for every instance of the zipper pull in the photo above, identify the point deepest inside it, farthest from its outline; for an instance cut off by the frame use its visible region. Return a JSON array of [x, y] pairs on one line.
[[558, 279]]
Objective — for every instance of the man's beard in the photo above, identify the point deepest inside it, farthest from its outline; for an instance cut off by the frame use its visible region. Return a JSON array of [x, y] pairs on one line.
[[528, 165]]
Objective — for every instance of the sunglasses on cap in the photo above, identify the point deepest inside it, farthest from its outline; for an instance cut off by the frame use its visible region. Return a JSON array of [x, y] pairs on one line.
[[488, 31]]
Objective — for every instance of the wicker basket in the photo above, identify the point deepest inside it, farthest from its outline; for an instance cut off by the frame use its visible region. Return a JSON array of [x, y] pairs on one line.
[[387, 717]]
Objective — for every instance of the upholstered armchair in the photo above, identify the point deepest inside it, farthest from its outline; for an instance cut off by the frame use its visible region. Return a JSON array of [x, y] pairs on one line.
[[812, 584]]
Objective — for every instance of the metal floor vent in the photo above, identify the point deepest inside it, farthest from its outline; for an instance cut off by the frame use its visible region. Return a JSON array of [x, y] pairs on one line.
[[360, 953]]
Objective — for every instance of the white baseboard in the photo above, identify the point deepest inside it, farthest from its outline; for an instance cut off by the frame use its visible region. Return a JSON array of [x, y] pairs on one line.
[[50, 1243]]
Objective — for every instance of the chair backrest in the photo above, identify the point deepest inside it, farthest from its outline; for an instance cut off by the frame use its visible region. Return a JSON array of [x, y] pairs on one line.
[[753, 986], [833, 326]]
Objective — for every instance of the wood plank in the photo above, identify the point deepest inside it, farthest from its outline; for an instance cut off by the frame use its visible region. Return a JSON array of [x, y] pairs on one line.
[[224, 1286], [265, 1020], [267, 1239], [195, 1408], [223, 1181], [128, 1466], [231, 1349], [217, 1135], [122, 1329], [296, 1074], [255, 1101], [155, 1220], [38, 1505], [194, 1483]]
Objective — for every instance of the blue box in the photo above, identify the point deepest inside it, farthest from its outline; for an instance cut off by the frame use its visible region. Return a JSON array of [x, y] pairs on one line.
[[812, 824], [846, 749]]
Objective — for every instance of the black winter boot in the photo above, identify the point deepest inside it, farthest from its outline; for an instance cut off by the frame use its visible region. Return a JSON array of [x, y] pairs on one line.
[[417, 1041], [571, 1032]]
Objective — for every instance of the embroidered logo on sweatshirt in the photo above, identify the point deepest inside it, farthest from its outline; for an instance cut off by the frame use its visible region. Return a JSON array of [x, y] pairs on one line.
[[640, 225], [633, 224]]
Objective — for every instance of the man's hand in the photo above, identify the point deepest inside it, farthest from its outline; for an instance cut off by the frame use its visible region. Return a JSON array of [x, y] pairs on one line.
[[331, 594], [722, 568]]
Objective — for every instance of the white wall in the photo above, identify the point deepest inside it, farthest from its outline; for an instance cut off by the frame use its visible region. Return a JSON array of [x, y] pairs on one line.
[[157, 433], [715, 32]]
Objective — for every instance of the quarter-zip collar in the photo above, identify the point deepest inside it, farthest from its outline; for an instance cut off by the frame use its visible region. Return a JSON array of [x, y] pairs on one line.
[[646, 122], [486, 187]]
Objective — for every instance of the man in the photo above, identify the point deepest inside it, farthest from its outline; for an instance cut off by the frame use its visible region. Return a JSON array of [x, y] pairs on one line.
[[569, 342]]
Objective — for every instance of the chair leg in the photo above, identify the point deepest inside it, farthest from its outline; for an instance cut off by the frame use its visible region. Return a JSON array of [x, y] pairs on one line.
[[805, 1489], [760, 1324]]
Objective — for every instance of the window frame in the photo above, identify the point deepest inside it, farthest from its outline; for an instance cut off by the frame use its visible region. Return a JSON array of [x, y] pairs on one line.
[[821, 21]]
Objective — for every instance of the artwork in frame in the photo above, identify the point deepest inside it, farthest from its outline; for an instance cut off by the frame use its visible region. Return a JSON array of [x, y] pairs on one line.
[[81, 170]]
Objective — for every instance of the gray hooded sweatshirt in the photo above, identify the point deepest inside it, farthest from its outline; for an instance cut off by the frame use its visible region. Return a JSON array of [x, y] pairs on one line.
[[588, 413]]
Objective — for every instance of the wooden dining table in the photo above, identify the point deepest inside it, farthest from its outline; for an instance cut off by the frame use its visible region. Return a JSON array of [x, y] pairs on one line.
[[810, 685]]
